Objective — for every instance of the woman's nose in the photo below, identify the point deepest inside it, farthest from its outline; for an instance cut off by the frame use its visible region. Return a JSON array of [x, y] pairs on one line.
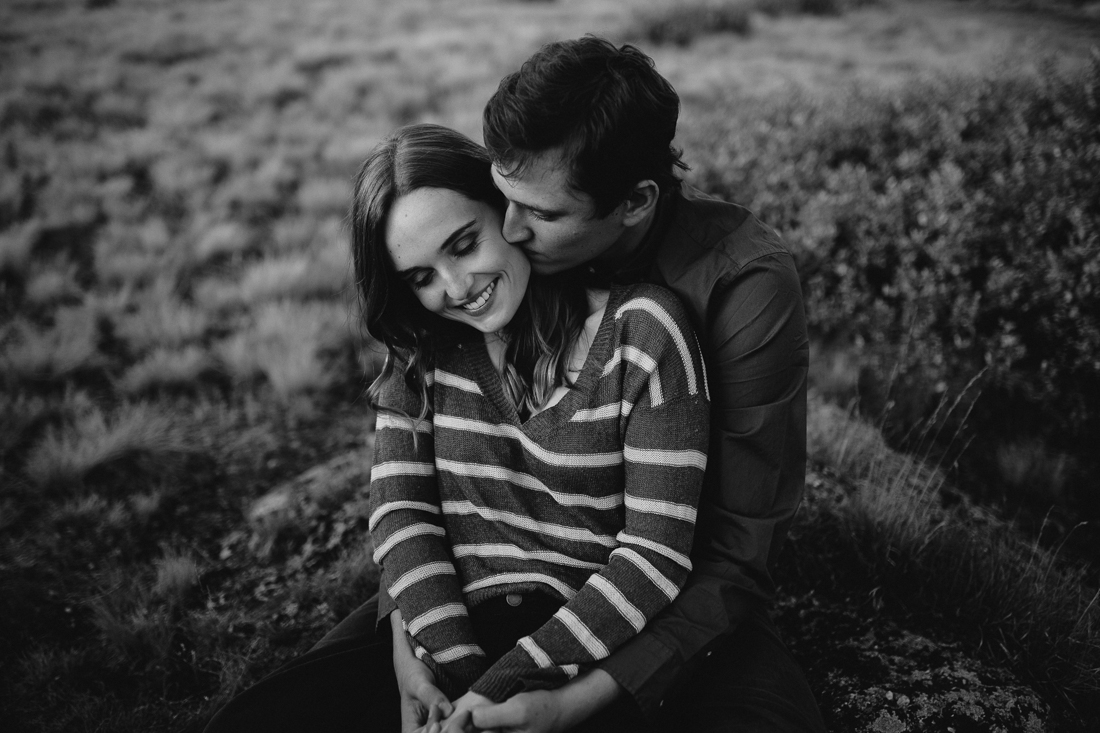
[[455, 284], [515, 229]]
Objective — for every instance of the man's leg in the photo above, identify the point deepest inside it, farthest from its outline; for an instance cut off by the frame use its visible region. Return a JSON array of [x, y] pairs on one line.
[[344, 683], [749, 683]]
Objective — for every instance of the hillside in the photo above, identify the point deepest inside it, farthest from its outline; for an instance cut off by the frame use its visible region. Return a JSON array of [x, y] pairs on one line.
[[185, 440]]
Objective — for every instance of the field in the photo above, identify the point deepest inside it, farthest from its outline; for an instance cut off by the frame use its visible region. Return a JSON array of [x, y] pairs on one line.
[[185, 443]]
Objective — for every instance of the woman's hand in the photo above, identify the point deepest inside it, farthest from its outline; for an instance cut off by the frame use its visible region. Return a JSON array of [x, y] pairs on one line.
[[422, 703], [461, 720]]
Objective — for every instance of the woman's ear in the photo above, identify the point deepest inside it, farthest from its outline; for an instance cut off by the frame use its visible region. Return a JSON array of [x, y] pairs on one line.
[[640, 203]]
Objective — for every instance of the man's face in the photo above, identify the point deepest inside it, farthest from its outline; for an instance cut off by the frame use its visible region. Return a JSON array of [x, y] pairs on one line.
[[555, 224]]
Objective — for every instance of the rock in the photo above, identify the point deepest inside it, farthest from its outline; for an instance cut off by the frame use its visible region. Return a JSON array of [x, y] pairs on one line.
[[872, 676], [293, 513]]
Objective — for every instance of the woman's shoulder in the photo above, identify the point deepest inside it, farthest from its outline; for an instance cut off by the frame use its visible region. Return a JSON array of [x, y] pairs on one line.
[[645, 301]]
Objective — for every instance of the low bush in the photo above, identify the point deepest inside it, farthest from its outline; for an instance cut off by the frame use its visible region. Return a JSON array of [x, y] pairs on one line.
[[948, 230]]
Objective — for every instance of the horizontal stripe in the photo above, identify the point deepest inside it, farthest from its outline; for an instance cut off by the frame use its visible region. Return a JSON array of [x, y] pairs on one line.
[[394, 506], [419, 573], [453, 380], [504, 550], [676, 557], [610, 411], [456, 652], [405, 533], [576, 534], [664, 584], [565, 460], [401, 468], [666, 320], [622, 604], [434, 616], [672, 458], [684, 512], [389, 421], [512, 578], [541, 658], [527, 481], [579, 629]]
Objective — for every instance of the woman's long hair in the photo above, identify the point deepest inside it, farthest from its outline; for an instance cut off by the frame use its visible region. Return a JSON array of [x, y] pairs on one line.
[[550, 317]]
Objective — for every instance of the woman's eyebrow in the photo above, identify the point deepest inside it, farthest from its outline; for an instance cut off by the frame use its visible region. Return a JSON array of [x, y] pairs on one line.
[[453, 237]]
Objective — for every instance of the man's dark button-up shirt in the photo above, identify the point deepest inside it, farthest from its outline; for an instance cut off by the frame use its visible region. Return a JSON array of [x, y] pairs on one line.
[[739, 283]]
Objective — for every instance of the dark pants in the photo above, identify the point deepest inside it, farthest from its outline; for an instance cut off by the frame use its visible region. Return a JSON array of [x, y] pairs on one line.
[[747, 684]]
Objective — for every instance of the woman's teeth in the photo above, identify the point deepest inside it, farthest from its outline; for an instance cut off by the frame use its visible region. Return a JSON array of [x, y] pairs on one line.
[[481, 299]]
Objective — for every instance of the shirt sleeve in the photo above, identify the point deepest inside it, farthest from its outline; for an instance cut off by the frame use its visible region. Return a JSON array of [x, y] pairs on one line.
[[758, 355], [410, 542], [664, 454]]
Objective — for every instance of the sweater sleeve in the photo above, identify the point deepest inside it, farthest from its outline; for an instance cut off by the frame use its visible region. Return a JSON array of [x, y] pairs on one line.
[[664, 458], [410, 542]]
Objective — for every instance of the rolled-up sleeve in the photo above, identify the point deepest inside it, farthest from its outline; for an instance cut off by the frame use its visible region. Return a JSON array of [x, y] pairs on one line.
[[758, 356]]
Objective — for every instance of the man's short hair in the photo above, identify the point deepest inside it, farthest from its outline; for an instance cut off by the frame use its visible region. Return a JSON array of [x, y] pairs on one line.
[[611, 112]]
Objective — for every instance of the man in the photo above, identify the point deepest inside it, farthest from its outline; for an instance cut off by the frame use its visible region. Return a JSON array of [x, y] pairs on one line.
[[581, 141]]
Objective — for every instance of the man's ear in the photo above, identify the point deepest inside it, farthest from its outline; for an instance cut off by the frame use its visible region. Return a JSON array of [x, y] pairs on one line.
[[640, 203]]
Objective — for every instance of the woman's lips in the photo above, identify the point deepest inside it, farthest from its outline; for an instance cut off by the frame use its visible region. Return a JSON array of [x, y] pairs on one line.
[[482, 299]]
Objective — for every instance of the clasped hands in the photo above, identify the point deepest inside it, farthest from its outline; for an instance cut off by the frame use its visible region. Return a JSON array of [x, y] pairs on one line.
[[425, 709]]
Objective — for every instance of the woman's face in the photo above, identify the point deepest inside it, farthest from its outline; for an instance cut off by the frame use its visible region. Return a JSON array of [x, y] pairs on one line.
[[450, 251]]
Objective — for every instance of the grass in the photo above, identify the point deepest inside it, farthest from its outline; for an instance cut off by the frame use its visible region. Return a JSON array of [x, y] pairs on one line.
[[94, 439], [71, 344]]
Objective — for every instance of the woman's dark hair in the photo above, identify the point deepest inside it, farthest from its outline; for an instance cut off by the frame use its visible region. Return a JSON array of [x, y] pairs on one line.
[[609, 109], [545, 326]]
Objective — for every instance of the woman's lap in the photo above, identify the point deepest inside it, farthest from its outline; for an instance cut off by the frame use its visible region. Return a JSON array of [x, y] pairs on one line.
[[346, 683]]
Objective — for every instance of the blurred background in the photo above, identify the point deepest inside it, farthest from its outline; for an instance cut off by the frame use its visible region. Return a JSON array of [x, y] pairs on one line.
[[185, 443]]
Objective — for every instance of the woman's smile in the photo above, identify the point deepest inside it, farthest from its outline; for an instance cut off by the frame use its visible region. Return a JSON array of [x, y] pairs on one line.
[[482, 299]]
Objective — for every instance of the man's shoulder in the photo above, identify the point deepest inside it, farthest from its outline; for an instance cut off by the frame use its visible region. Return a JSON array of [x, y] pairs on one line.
[[722, 237]]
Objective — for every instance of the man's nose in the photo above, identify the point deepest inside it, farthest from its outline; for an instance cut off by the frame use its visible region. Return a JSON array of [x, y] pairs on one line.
[[515, 229]]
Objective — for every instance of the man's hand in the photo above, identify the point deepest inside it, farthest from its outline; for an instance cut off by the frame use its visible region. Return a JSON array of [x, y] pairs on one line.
[[422, 703], [528, 712], [550, 711], [460, 721]]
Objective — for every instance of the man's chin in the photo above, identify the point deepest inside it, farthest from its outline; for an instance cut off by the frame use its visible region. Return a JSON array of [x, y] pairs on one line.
[[543, 267]]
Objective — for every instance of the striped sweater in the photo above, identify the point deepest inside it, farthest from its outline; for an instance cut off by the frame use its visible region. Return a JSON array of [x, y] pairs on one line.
[[592, 500]]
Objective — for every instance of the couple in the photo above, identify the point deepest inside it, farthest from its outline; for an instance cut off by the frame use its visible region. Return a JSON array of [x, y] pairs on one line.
[[544, 422]]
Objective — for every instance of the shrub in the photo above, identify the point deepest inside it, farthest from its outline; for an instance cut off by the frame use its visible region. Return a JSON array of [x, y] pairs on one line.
[[682, 23], [950, 230]]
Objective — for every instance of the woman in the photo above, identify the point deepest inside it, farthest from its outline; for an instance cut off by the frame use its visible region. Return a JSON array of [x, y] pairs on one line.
[[540, 446]]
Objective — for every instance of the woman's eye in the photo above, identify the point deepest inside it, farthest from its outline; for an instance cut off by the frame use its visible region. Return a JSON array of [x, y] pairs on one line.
[[539, 217], [422, 281], [466, 247]]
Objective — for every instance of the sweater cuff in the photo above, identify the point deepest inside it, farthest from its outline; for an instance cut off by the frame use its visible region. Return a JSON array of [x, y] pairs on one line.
[[504, 678]]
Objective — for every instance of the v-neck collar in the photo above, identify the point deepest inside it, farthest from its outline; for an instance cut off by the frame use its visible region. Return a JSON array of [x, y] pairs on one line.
[[548, 420]]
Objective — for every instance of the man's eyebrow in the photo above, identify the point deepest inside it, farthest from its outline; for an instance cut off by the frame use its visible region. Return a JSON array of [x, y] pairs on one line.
[[540, 210], [447, 243]]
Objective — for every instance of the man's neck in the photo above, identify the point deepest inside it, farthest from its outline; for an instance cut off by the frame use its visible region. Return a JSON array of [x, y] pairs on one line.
[[624, 249]]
